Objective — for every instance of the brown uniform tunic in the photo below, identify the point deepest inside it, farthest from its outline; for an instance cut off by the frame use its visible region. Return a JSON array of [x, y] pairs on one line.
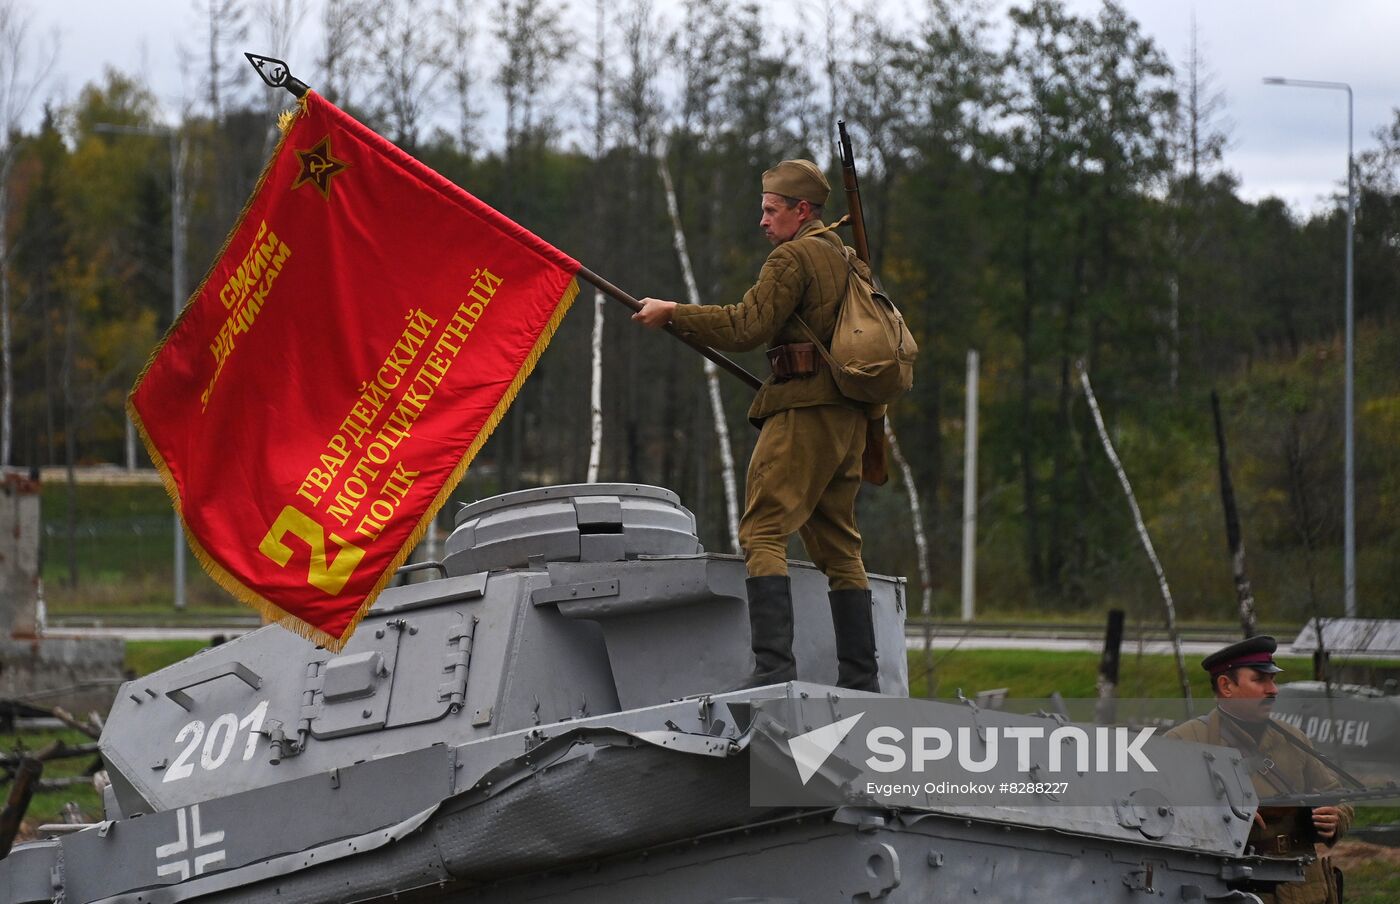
[[805, 470], [1277, 768]]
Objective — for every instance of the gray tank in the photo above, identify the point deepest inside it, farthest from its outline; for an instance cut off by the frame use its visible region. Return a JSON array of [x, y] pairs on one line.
[[543, 722]]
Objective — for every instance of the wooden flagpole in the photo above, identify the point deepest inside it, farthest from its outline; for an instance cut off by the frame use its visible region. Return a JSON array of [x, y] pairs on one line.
[[276, 74]]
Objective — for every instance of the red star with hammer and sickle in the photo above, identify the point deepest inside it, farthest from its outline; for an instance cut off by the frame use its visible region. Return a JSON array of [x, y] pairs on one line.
[[317, 167]]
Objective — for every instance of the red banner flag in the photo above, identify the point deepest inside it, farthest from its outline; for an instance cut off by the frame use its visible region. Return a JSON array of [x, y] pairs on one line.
[[361, 334]]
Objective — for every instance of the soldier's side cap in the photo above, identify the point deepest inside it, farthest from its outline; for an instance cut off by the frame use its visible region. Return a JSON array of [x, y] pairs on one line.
[[801, 179], [1256, 652]]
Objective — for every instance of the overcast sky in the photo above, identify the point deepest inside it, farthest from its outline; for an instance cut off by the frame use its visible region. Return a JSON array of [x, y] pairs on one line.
[[1288, 142]]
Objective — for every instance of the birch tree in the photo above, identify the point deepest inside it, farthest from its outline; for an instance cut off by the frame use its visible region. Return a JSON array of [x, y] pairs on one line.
[[916, 517], [25, 64], [692, 291], [1168, 605], [1234, 539], [595, 391], [595, 394]]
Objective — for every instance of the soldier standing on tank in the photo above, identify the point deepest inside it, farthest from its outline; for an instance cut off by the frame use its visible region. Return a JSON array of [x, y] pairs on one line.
[[806, 467], [1242, 676]]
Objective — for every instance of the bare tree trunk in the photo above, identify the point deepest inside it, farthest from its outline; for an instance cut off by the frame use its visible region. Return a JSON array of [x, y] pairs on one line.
[[1142, 532], [595, 399], [1243, 592], [1106, 710], [726, 453], [906, 474]]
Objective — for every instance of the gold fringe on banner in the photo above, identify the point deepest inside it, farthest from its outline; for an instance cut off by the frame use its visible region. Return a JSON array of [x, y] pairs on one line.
[[287, 117]]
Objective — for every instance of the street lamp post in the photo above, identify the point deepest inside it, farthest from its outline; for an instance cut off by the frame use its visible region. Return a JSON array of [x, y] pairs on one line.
[[1349, 540], [178, 150]]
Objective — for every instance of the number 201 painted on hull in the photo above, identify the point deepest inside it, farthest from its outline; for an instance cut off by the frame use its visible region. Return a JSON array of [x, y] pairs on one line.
[[218, 741]]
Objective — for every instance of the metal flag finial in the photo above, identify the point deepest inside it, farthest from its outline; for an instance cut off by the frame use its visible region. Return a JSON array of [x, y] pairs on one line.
[[277, 74]]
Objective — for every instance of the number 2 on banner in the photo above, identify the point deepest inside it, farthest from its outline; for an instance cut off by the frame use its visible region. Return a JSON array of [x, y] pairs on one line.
[[321, 574]]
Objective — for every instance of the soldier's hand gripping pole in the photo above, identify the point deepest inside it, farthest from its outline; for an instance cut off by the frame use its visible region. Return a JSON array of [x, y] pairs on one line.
[[633, 304], [277, 74]]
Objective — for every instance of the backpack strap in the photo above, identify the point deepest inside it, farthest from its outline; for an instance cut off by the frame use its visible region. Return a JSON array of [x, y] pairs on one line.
[[850, 271], [821, 346], [825, 229]]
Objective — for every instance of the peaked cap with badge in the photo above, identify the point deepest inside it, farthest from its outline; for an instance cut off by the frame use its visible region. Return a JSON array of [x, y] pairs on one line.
[[1257, 652]]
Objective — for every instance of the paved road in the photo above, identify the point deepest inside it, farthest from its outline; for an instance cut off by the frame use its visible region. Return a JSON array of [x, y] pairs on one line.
[[137, 632], [943, 639], [950, 641]]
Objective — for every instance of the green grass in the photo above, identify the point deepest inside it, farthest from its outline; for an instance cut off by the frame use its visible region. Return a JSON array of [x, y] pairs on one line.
[[993, 613], [146, 656], [1035, 674], [46, 806], [1376, 882], [1377, 816], [118, 555]]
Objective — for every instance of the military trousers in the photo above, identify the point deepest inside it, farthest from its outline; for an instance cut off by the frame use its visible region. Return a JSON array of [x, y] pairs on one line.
[[803, 478]]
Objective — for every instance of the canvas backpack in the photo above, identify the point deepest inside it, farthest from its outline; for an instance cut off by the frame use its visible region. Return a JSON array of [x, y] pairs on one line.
[[872, 351]]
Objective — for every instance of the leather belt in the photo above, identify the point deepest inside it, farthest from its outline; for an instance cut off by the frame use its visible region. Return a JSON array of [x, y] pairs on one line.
[[794, 361]]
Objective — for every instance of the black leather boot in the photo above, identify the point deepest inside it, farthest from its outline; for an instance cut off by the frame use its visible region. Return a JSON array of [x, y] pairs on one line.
[[853, 615], [770, 629]]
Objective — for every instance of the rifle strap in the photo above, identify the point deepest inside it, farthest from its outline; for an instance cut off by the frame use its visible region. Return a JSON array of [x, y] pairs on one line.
[[1322, 758]]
